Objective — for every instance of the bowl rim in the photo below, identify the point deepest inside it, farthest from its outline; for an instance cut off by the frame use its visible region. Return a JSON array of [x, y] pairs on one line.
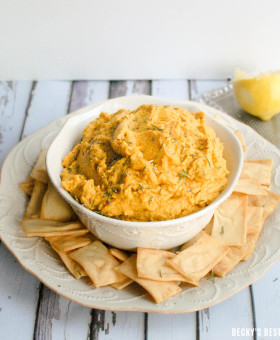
[[101, 218]]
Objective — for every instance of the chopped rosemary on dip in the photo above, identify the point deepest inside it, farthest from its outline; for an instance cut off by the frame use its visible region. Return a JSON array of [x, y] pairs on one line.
[[146, 165]]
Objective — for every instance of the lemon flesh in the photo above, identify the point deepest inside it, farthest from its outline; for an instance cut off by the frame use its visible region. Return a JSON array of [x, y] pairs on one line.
[[260, 95]]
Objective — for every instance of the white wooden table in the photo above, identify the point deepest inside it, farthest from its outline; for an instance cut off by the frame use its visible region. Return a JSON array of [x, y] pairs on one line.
[[29, 310]]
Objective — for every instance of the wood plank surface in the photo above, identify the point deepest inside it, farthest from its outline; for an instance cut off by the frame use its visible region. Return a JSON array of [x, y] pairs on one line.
[[18, 298], [14, 97], [216, 322], [19, 289], [112, 325], [48, 100], [38, 312], [171, 327], [171, 89], [88, 92], [129, 88], [266, 292]]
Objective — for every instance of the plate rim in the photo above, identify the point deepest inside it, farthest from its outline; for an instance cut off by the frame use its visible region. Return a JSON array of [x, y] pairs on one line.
[[64, 119]]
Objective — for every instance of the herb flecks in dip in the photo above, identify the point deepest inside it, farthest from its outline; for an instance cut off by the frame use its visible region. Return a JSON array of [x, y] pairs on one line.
[[151, 164]]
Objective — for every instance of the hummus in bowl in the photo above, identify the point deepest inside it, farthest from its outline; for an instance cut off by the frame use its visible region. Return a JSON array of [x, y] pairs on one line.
[[153, 163], [153, 179]]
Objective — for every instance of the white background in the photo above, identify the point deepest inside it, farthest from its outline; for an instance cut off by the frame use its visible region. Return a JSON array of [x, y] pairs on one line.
[[147, 39]]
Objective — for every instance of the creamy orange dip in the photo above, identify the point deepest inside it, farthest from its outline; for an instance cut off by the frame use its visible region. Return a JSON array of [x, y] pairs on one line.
[[151, 164]]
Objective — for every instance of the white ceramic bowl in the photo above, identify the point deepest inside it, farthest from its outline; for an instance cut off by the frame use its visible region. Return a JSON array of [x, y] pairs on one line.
[[126, 234]]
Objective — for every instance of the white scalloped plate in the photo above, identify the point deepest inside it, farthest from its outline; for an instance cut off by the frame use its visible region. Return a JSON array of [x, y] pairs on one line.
[[37, 257]]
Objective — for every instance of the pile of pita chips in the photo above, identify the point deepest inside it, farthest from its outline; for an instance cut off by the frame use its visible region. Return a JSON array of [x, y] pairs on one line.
[[238, 221], [230, 237], [48, 215]]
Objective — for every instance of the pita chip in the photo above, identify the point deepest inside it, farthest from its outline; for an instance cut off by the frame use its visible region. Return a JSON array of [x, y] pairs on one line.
[[54, 207], [250, 187], [34, 206], [230, 220], [98, 263], [268, 202], [236, 254], [197, 260], [160, 291], [258, 169], [151, 264]]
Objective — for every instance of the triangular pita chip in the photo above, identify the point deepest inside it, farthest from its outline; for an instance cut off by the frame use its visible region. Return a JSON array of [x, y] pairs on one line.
[[54, 207]]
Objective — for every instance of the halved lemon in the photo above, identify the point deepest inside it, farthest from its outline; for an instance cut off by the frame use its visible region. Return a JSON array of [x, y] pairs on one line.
[[260, 95]]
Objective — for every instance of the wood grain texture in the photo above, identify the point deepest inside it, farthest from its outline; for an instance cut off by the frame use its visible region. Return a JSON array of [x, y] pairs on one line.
[[18, 298], [112, 325], [59, 318], [88, 92], [266, 292], [216, 322], [129, 88], [49, 101], [19, 289], [14, 97], [171, 89], [171, 327]]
